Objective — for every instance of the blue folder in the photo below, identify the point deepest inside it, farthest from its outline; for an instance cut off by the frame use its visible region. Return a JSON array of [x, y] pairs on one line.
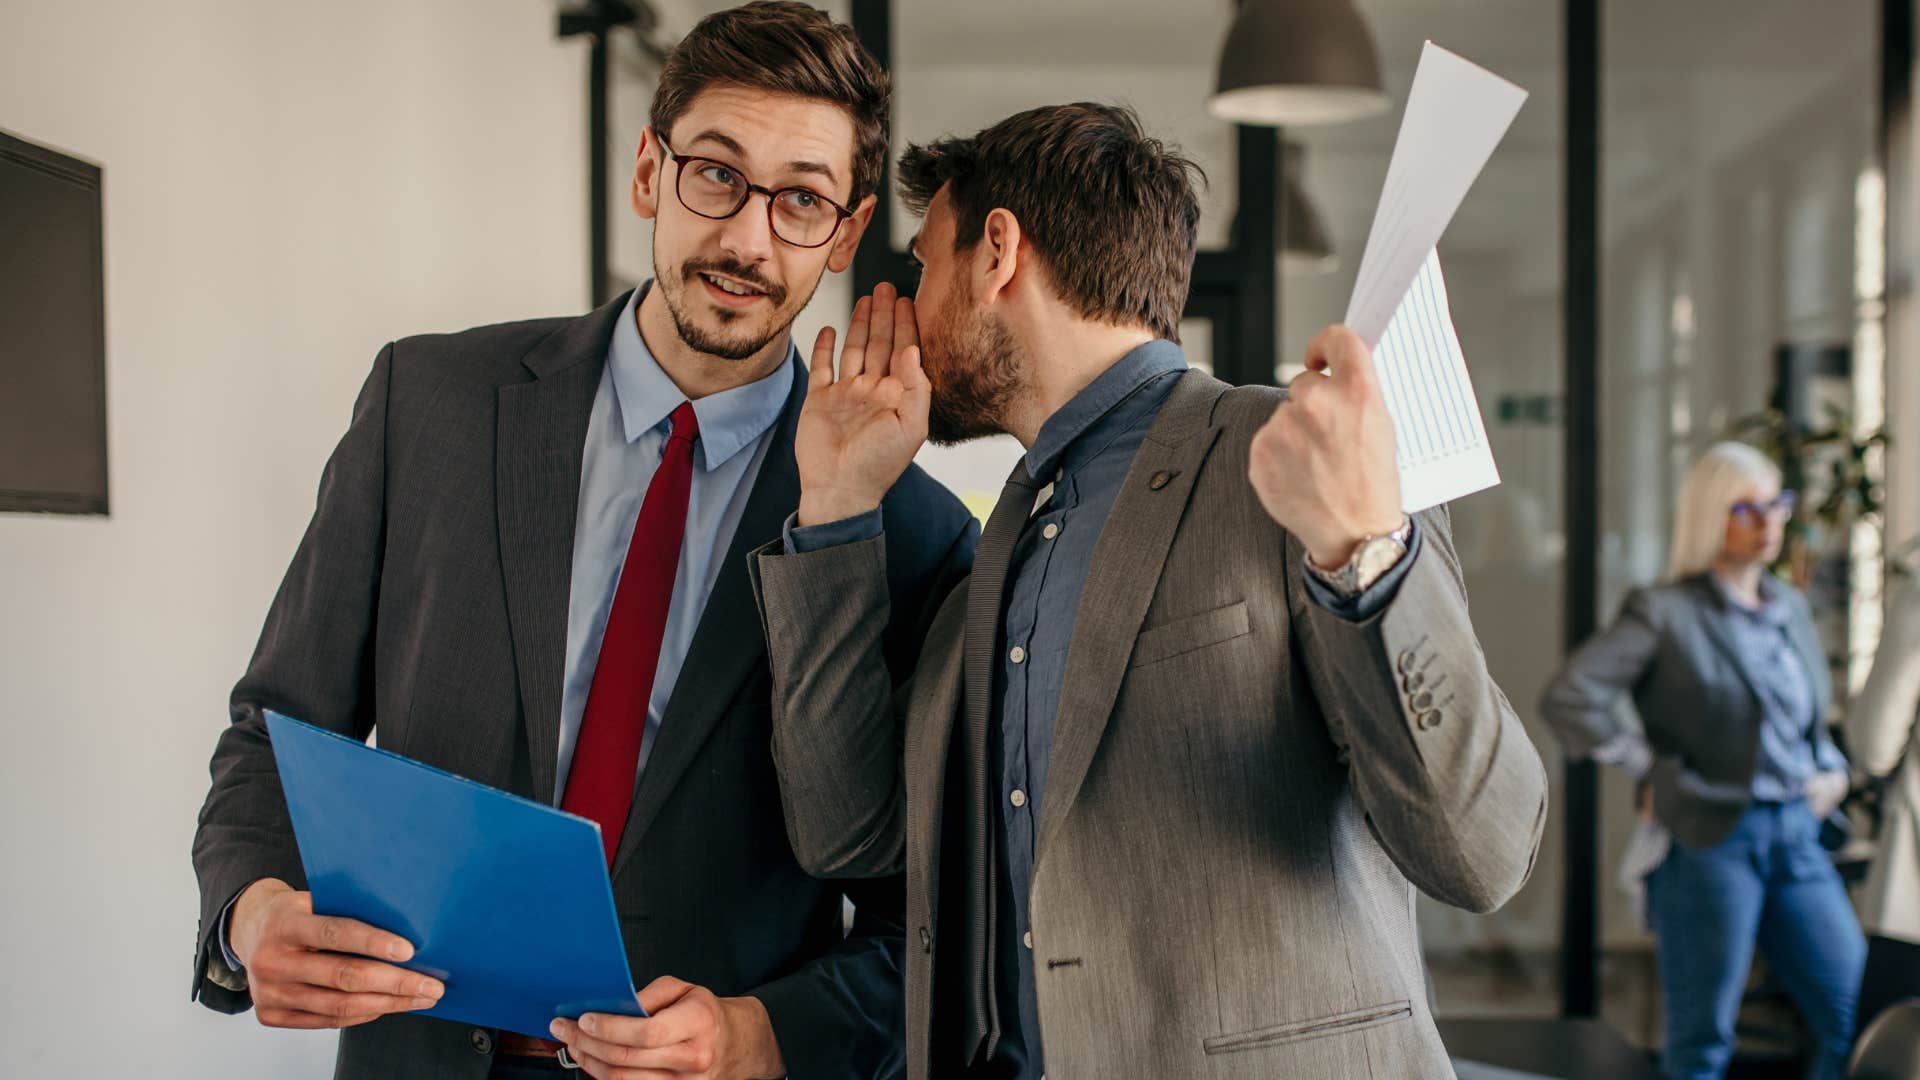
[[505, 900]]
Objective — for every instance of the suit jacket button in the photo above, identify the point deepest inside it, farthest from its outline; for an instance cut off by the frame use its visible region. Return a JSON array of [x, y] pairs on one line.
[[1160, 479], [1423, 700], [1430, 719], [1414, 681], [481, 1042], [926, 941], [1406, 661]]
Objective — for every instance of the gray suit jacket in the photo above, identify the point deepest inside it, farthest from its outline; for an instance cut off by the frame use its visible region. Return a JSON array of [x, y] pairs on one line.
[[429, 599], [1244, 792], [1699, 707]]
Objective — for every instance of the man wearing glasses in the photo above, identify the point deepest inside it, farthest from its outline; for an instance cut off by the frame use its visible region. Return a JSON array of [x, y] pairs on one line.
[[528, 566]]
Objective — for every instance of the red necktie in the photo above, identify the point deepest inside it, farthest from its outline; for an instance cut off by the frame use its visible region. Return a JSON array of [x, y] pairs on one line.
[[606, 756]]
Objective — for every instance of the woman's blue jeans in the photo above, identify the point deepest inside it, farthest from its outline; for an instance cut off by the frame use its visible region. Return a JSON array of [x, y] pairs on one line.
[[1771, 884]]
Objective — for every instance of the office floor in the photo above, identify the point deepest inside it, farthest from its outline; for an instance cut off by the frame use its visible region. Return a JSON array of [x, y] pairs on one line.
[[1515, 984]]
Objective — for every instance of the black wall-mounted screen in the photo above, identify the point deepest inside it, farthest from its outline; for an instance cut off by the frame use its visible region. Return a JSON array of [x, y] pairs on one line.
[[53, 384]]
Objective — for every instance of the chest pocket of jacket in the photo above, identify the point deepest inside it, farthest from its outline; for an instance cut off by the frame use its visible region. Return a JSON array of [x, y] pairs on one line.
[[1185, 635]]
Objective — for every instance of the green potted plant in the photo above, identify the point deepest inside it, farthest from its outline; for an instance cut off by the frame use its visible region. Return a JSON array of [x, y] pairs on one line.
[[1832, 469]]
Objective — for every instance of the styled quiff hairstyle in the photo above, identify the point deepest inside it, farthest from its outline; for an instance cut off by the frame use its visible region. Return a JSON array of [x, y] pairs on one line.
[[1112, 212], [783, 47]]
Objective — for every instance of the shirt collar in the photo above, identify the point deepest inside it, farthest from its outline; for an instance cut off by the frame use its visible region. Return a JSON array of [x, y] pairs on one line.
[[1772, 609], [1100, 397], [729, 421]]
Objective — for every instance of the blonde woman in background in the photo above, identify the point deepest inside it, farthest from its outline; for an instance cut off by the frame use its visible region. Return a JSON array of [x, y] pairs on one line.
[[1731, 686], [1880, 729]]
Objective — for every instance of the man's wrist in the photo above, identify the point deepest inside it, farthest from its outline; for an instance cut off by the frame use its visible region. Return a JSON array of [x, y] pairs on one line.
[[1330, 556], [245, 906], [1371, 559], [223, 937], [826, 507], [761, 1059]]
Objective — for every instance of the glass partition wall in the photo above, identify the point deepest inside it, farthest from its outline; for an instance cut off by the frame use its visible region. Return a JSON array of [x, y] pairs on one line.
[[1739, 247], [1503, 259], [1742, 235]]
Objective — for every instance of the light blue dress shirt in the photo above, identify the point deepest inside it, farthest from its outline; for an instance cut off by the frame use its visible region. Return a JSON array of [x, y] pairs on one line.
[[626, 439], [1789, 752]]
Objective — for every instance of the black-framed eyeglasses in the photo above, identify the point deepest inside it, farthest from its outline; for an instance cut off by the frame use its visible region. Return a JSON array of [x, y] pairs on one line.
[[1757, 512], [716, 190]]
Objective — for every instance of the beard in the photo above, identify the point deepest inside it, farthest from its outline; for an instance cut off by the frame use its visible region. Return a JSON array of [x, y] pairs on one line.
[[739, 335], [974, 370]]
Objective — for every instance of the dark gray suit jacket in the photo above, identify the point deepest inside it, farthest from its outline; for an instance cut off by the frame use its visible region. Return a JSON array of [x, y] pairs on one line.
[[1244, 790], [1699, 707], [429, 599]]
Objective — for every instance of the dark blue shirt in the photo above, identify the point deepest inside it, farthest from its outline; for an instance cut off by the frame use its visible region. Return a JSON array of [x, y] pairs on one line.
[[1084, 451]]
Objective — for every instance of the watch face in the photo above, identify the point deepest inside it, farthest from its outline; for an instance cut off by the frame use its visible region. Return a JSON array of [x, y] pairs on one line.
[[1376, 557]]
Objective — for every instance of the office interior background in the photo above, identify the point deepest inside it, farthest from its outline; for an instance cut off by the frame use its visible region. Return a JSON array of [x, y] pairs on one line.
[[1704, 209]]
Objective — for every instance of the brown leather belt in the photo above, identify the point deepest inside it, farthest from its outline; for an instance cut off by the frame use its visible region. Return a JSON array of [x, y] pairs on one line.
[[510, 1042]]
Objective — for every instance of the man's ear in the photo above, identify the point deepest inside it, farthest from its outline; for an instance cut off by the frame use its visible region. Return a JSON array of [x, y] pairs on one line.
[[648, 173], [847, 240], [998, 257]]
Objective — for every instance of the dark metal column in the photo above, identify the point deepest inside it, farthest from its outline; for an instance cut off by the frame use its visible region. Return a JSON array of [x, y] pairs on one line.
[[1254, 330], [597, 162], [595, 19], [876, 260], [1896, 150], [1580, 795], [1238, 289], [1896, 69]]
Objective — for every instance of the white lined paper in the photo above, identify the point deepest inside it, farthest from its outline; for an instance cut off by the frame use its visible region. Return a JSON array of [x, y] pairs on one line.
[[1442, 448], [1456, 114]]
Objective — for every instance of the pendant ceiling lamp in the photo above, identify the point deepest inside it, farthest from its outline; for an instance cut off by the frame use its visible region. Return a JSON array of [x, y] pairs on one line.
[[1305, 246], [1297, 62]]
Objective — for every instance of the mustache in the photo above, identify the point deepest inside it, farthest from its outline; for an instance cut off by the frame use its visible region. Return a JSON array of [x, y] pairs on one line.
[[739, 272]]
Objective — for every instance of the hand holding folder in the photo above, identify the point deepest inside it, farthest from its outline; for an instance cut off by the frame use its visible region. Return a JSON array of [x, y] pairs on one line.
[[506, 901], [316, 971]]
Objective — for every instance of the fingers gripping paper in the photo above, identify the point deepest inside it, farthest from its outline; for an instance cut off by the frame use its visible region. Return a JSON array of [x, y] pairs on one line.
[[1456, 114]]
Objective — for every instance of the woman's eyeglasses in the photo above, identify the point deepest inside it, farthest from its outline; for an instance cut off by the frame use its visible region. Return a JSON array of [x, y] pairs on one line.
[[1758, 512], [714, 189]]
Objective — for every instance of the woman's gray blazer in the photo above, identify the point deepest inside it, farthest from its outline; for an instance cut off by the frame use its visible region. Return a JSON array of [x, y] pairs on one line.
[[1699, 707]]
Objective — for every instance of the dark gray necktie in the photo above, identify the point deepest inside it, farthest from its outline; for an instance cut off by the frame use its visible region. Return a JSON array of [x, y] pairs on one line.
[[990, 562]]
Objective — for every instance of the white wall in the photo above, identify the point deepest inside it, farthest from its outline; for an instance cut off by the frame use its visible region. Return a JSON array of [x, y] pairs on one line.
[[287, 187]]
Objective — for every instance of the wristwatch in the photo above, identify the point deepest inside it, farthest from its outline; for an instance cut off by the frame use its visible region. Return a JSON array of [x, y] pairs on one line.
[[1372, 557]]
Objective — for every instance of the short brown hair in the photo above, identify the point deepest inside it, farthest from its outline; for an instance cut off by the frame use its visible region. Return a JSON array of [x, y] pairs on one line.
[[1112, 212], [783, 47]]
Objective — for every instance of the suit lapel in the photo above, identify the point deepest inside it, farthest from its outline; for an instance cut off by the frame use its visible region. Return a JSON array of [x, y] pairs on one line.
[[1715, 616], [728, 643], [540, 435], [1127, 560]]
